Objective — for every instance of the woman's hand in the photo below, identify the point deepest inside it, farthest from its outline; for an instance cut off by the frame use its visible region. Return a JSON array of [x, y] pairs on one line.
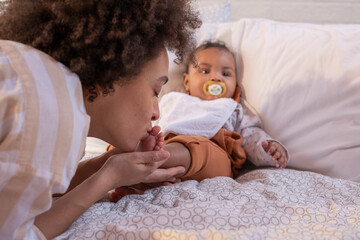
[[153, 142], [277, 152], [127, 169]]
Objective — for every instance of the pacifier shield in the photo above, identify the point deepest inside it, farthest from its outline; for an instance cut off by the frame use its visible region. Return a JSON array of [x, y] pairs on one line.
[[217, 89]]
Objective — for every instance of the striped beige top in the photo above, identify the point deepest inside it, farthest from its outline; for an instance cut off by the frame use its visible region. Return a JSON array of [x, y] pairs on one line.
[[43, 127]]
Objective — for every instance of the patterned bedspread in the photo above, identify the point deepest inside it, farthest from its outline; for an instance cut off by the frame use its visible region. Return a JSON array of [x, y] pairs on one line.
[[261, 204]]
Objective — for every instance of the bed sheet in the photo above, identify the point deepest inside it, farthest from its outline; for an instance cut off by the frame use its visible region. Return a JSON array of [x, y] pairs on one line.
[[261, 204]]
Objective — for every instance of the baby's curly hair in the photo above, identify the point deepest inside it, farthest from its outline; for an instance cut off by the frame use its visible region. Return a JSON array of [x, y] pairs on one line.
[[102, 41], [191, 59]]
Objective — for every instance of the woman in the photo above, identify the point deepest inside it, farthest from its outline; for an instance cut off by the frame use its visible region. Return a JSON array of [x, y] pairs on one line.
[[118, 51]]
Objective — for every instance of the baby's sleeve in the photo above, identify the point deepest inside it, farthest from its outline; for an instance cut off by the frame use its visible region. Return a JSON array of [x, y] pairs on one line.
[[250, 128]]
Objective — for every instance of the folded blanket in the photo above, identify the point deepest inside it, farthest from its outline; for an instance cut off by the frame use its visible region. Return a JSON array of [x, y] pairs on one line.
[[187, 115]]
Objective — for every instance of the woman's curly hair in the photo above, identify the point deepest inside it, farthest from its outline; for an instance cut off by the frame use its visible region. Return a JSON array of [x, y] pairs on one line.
[[102, 41]]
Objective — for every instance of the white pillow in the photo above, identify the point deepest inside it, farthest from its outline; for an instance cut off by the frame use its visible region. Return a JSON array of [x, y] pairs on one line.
[[95, 146], [304, 81]]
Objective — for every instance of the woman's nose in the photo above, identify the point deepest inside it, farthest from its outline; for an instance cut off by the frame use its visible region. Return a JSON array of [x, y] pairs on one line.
[[156, 111]]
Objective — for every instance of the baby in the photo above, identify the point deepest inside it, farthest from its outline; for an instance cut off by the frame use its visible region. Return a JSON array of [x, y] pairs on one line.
[[209, 129]]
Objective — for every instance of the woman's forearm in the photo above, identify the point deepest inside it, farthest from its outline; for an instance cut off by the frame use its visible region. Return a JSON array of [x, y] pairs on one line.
[[68, 208], [87, 168], [118, 170]]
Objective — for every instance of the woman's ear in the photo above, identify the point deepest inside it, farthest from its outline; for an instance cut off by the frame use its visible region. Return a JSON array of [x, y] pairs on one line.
[[93, 92], [186, 82], [90, 93]]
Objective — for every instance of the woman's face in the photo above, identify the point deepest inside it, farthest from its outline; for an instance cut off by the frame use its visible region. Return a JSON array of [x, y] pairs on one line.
[[217, 65], [124, 117]]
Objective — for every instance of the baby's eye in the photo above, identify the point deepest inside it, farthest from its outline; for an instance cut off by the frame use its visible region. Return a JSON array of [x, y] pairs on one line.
[[226, 74], [204, 71]]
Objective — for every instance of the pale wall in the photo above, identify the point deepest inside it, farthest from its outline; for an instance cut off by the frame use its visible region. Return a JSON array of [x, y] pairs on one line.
[[314, 11]]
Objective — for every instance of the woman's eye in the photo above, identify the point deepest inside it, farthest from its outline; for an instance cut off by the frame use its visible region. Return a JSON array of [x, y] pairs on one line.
[[156, 94]]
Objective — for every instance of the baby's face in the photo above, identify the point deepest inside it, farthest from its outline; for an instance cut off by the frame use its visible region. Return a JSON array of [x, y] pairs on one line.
[[212, 64]]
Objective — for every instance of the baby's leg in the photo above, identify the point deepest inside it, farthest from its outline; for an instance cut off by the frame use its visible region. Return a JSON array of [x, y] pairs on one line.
[[201, 157], [179, 156]]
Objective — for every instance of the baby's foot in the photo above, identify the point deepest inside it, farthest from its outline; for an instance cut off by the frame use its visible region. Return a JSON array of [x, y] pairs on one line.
[[153, 142]]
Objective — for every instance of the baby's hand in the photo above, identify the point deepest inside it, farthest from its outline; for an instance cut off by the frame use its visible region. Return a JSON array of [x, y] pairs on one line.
[[277, 152], [153, 142]]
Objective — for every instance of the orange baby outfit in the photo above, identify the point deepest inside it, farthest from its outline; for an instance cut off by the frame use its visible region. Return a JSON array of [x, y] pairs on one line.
[[221, 155]]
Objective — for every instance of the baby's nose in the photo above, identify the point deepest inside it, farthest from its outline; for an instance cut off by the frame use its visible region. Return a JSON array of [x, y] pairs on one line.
[[216, 78]]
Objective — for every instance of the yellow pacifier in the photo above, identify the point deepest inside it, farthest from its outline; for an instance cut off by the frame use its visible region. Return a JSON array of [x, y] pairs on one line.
[[216, 89]]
